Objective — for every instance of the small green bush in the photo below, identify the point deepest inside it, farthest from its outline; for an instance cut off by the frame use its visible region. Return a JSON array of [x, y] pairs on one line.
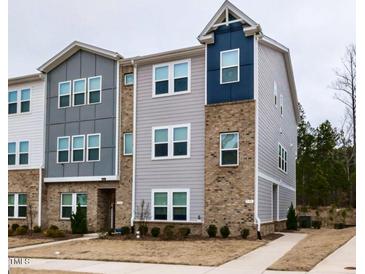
[[212, 231], [155, 232], [339, 226], [291, 222], [54, 227], [143, 229], [37, 229], [183, 232], [54, 233], [79, 221], [316, 224], [125, 230], [14, 227], [244, 233], [21, 230], [225, 231], [168, 232]]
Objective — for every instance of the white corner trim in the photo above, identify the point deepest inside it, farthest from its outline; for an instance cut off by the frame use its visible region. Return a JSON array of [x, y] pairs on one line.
[[134, 143], [275, 181], [81, 179]]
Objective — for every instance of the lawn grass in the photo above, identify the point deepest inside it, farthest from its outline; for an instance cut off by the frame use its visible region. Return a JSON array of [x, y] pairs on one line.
[[18, 241], [20, 270], [313, 248], [209, 252]]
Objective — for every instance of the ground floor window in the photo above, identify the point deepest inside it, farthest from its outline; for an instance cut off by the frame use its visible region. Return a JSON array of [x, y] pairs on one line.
[[17, 205], [172, 205], [70, 202]]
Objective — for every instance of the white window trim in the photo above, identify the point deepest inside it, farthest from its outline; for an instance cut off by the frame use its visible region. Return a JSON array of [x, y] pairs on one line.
[[125, 79], [171, 78], [18, 102], [170, 142], [281, 105], [280, 146], [221, 66], [89, 147], [69, 94], [68, 149], [124, 146], [275, 94], [21, 101], [16, 206], [225, 149], [83, 149], [170, 204], [73, 205], [91, 90], [81, 92], [18, 150]]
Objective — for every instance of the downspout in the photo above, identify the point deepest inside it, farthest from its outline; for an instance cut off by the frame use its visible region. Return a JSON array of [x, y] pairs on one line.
[[40, 196], [134, 141]]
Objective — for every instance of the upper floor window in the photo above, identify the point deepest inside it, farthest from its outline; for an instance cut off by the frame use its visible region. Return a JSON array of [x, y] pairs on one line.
[[79, 91], [128, 143], [171, 142], [229, 148], [170, 205], [78, 146], [64, 94], [275, 94], [171, 78], [229, 66], [94, 90], [281, 105], [17, 205], [23, 153], [12, 102], [283, 159], [128, 79], [11, 153], [70, 202], [93, 147], [63, 147], [24, 101]]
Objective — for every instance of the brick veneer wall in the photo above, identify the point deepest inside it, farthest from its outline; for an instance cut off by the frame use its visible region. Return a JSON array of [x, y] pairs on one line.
[[227, 188]]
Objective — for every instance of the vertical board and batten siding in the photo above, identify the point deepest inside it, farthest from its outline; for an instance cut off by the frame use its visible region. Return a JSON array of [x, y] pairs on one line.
[[85, 119], [165, 111], [271, 67], [29, 126]]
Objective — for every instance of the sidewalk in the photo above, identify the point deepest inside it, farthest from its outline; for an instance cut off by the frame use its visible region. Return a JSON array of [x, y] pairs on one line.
[[253, 263]]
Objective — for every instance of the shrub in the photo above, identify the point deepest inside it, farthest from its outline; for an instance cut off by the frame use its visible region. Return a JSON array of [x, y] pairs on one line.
[[79, 221], [339, 225], [316, 224], [125, 230], [143, 229], [244, 233], [183, 232], [225, 231], [291, 222], [155, 231], [168, 232], [21, 230], [37, 229], [54, 232], [212, 231], [54, 227], [14, 227]]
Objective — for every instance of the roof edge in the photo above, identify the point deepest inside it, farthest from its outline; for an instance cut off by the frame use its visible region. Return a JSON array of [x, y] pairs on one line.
[[25, 78]]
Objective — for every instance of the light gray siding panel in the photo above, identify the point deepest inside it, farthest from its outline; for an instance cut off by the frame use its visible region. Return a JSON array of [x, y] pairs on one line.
[[286, 197], [265, 200], [166, 111]]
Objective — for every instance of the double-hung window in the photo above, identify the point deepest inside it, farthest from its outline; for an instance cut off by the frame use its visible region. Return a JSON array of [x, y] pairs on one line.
[[230, 66], [93, 147], [12, 102], [17, 205], [79, 92], [25, 100], [63, 148], [281, 105], [23, 153], [229, 149], [70, 202], [181, 77], [128, 79], [161, 142], [283, 159], [94, 89], [78, 147], [128, 143], [64, 94], [11, 154], [170, 205], [161, 84], [180, 141]]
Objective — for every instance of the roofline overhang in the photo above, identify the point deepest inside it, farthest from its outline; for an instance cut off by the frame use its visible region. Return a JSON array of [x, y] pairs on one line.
[[25, 79]]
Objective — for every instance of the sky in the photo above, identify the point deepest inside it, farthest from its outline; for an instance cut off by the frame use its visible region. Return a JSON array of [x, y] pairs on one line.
[[317, 33]]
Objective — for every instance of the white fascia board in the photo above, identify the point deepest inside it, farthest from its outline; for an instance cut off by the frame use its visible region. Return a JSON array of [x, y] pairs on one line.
[[81, 179]]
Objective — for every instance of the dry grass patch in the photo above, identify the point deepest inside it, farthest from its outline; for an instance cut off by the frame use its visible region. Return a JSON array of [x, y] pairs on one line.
[[313, 248], [19, 270], [18, 241], [193, 252]]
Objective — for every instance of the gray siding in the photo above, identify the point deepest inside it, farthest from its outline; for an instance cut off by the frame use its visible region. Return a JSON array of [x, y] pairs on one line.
[[86, 119], [265, 200], [165, 111], [286, 197], [271, 67]]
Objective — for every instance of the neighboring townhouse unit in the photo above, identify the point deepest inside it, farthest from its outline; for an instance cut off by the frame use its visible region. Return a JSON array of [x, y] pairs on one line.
[[26, 112], [195, 136]]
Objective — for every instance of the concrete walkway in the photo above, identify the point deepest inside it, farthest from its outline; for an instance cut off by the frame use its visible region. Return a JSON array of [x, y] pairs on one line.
[[254, 262]]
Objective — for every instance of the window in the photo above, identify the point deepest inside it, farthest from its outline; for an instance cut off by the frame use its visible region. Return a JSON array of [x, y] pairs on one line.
[[230, 69], [281, 105], [171, 142], [64, 94], [128, 79], [170, 205], [93, 147], [25, 100], [283, 159], [11, 153], [23, 153], [229, 147], [12, 102], [275, 94], [128, 143], [94, 90], [63, 147], [79, 90], [70, 202], [78, 146], [171, 78], [17, 205]]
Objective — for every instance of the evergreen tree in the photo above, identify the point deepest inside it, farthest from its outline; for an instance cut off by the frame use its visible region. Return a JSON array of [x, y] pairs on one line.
[[79, 221], [291, 221]]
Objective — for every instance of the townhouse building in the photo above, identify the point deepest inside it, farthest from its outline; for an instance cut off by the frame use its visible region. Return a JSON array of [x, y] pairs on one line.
[[195, 136]]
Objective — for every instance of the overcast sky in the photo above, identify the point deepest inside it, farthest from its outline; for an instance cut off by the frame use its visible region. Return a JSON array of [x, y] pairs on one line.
[[316, 32]]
